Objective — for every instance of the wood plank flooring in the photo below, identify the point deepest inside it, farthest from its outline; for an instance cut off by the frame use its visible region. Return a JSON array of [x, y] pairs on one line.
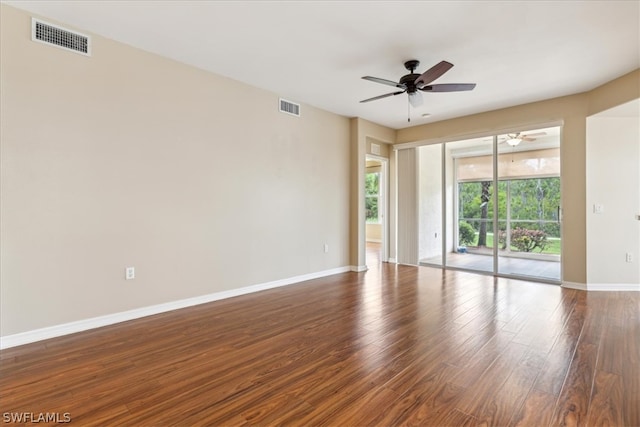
[[393, 346]]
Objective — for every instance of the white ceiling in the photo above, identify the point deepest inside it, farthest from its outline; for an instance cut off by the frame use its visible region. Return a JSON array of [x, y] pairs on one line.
[[316, 52]]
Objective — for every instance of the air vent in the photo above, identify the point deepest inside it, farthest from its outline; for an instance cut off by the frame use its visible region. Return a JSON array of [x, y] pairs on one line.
[[54, 35], [289, 107]]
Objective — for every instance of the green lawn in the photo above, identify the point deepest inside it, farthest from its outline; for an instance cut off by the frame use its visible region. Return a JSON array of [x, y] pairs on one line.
[[553, 245]]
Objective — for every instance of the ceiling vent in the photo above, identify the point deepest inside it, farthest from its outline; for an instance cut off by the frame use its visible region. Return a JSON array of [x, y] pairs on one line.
[[54, 35], [289, 107]]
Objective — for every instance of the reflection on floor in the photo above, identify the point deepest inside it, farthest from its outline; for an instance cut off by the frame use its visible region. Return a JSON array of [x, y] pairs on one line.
[[548, 270], [374, 254]]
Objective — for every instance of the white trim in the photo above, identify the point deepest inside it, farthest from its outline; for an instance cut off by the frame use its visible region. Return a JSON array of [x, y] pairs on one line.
[[110, 319], [574, 285], [383, 202], [618, 287], [377, 157], [359, 268], [610, 287]]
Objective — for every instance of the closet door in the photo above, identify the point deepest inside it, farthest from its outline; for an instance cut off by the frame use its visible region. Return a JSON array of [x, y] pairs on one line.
[[408, 206], [432, 241]]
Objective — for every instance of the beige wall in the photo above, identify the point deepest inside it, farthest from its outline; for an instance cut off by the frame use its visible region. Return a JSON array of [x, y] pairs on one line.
[[129, 159], [613, 181], [572, 111], [383, 147], [374, 232]]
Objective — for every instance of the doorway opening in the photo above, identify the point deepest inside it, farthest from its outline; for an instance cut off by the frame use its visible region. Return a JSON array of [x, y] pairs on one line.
[[376, 224]]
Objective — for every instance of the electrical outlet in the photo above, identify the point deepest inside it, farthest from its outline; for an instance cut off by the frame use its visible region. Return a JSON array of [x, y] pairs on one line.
[[130, 273], [326, 248], [629, 257], [598, 208]]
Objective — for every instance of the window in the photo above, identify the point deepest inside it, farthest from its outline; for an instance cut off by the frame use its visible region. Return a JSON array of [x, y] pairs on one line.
[[372, 197]]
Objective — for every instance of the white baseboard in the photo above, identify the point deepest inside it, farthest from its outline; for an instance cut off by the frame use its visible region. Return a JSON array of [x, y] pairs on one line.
[[110, 319], [620, 287], [393, 260], [574, 285], [359, 268], [611, 287]]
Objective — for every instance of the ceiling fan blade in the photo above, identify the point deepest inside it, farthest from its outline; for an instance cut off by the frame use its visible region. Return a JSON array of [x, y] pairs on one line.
[[530, 135], [384, 82], [448, 87], [382, 96], [433, 73]]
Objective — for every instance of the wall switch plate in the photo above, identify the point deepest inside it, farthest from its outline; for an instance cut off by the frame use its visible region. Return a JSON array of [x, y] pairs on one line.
[[130, 273], [598, 208], [326, 248]]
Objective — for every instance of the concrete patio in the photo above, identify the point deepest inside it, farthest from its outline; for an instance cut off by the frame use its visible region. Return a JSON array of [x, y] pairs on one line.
[[513, 265]]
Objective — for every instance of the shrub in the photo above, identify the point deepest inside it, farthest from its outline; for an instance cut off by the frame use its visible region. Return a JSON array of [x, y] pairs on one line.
[[527, 240], [466, 233]]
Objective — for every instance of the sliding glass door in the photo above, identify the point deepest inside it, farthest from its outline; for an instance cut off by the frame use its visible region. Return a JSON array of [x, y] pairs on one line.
[[492, 204], [529, 208]]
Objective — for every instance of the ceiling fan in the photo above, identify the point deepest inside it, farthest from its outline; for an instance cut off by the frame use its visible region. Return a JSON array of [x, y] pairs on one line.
[[413, 84], [513, 139]]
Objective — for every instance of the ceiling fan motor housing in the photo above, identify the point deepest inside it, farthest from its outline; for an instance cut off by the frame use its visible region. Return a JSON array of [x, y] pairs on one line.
[[409, 81]]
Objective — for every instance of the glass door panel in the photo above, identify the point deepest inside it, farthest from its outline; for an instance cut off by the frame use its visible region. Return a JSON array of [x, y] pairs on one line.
[[529, 205], [470, 204]]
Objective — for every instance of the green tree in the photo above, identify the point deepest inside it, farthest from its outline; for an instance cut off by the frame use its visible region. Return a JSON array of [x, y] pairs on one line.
[[485, 197], [533, 200], [372, 192], [536, 200]]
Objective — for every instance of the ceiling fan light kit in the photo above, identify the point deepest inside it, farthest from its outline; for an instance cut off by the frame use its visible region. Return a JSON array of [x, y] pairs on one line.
[[413, 84], [514, 141], [415, 99]]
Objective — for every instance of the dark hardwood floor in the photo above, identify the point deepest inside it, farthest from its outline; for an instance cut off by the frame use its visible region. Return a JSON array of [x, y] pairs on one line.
[[396, 345]]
